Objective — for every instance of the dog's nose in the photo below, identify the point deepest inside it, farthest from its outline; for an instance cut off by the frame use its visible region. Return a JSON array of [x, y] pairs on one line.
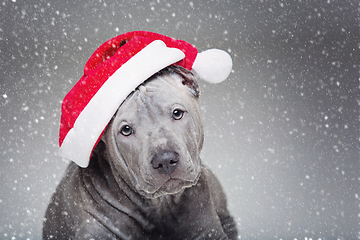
[[165, 162]]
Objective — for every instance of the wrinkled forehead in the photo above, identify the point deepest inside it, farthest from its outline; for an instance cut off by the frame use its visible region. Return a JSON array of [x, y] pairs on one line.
[[164, 84], [157, 92]]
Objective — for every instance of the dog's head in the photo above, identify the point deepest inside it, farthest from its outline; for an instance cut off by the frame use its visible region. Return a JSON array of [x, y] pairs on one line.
[[154, 140]]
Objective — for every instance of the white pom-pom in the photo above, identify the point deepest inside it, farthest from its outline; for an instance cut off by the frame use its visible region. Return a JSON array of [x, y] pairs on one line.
[[213, 65]]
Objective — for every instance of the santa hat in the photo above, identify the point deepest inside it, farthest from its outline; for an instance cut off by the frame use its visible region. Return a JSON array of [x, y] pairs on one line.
[[113, 71]]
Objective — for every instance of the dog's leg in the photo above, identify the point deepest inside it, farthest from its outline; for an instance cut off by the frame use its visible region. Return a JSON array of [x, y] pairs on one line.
[[220, 202]]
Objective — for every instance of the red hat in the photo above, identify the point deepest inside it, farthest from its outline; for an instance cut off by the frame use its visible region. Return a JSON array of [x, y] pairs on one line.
[[113, 71]]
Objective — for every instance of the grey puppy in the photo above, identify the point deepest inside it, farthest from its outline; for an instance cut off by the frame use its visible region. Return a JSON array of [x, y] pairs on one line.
[[145, 179]]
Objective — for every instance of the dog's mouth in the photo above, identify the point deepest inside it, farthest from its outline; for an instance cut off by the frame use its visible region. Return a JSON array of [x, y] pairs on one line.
[[169, 187], [174, 185]]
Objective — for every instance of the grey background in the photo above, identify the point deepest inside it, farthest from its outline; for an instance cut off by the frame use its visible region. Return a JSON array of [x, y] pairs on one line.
[[282, 133]]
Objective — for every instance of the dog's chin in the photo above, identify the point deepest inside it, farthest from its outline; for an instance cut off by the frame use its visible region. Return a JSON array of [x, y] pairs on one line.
[[170, 187]]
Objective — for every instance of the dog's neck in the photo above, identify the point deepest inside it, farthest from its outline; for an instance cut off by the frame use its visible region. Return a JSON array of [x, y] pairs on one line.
[[122, 198]]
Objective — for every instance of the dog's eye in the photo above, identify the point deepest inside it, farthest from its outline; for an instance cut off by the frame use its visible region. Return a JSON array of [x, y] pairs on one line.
[[126, 130], [178, 114]]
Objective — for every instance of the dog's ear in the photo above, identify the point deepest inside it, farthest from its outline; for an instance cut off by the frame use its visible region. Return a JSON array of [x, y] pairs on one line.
[[188, 80]]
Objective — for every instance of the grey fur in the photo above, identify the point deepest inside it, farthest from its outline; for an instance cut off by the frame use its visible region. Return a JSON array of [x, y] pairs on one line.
[[150, 184]]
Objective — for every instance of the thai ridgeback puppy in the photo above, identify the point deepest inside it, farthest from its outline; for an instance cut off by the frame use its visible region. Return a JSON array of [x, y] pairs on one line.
[[145, 179]]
